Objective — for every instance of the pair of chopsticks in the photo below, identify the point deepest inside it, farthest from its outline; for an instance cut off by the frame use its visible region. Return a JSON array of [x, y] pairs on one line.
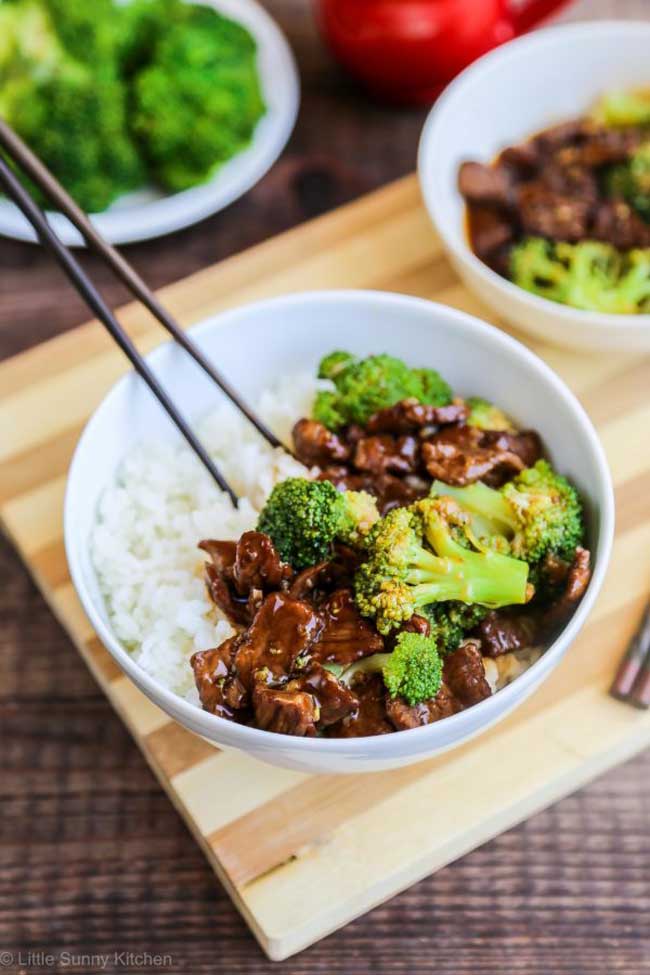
[[31, 166], [632, 681]]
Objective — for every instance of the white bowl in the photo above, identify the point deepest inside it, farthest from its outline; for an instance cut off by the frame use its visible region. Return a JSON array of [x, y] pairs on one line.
[[253, 346], [526, 85], [149, 213]]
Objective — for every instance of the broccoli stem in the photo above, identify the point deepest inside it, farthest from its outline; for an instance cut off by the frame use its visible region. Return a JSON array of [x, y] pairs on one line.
[[492, 513], [485, 577], [490, 580], [367, 665]]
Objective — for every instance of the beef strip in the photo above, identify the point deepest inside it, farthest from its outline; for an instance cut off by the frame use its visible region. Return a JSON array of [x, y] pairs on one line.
[[479, 183], [464, 674], [555, 137], [404, 716], [618, 224], [526, 444], [602, 147], [555, 569], [239, 574], [353, 433], [490, 232], [282, 631], [344, 478], [523, 159], [221, 593], [220, 690], [577, 580], [257, 564], [391, 491], [346, 561], [579, 576], [409, 416], [316, 445], [307, 704], [416, 624], [371, 717], [573, 179], [462, 455], [310, 579], [222, 555], [503, 631], [317, 581], [345, 636], [335, 701], [285, 712], [384, 453], [545, 213]]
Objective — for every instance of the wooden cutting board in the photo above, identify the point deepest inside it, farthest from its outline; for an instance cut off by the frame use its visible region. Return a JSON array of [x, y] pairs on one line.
[[301, 855]]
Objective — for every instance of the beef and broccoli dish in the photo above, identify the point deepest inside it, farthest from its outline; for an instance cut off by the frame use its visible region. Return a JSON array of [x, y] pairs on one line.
[[418, 569], [566, 214]]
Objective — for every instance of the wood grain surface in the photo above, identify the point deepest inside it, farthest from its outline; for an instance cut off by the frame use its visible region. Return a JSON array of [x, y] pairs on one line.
[[93, 858]]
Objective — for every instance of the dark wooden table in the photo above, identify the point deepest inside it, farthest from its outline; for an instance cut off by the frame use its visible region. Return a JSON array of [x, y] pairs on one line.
[[93, 859]]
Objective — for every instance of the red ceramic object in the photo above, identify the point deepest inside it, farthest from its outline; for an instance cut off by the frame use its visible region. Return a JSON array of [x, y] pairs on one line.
[[408, 50]]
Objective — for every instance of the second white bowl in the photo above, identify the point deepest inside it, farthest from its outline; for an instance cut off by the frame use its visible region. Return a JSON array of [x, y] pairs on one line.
[[527, 85]]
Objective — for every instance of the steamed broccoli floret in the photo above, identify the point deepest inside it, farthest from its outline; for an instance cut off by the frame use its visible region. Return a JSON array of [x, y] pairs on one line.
[[141, 25], [486, 415], [535, 267], [89, 32], [631, 181], [431, 388], [67, 68], [77, 127], [326, 410], [359, 514], [364, 386], [536, 515], [412, 671], [334, 363], [451, 622], [589, 275], [426, 553], [304, 518], [623, 108], [414, 668], [197, 104], [548, 512], [71, 117], [29, 46]]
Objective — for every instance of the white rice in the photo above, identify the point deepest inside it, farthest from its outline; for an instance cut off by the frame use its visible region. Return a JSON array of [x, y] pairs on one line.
[[162, 503]]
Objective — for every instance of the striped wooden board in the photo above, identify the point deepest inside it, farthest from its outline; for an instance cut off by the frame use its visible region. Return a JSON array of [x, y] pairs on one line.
[[302, 856]]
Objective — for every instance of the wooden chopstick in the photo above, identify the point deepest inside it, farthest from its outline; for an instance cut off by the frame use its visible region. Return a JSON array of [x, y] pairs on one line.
[[42, 177], [14, 189], [632, 681]]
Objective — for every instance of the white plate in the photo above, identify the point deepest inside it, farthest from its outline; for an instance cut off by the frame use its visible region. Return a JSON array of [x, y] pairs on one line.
[[254, 345], [149, 213], [518, 89]]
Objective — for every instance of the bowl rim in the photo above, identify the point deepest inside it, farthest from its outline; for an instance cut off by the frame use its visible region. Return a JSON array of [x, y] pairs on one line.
[[255, 739], [432, 143]]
